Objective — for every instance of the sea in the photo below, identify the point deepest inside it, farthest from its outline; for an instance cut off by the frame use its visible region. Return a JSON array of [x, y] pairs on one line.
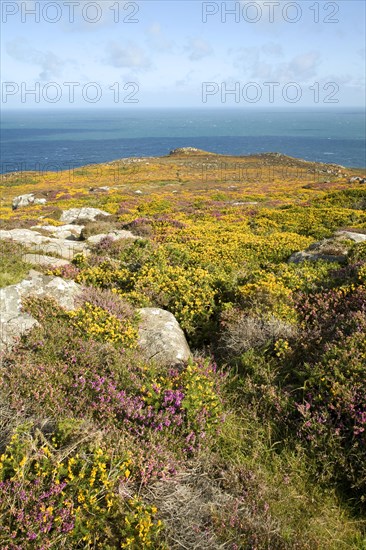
[[56, 140]]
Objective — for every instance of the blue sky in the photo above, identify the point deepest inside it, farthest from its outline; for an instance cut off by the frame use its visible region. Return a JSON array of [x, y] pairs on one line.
[[162, 54]]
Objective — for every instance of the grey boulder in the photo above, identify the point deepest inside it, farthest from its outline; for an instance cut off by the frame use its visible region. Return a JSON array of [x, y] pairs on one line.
[[161, 339], [70, 231], [13, 321], [307, 256], [352, 236], [85, 213], [357, 179], [26, 200], [44, 245], [43, 260], [334, 249]]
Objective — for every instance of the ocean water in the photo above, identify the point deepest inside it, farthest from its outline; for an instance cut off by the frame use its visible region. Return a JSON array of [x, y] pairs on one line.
[[56, 140]]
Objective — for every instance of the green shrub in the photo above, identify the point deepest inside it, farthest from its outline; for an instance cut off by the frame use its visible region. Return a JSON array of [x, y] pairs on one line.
[[13, 266]]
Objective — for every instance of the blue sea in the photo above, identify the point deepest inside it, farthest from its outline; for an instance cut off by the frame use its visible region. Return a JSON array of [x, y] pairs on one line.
[[55, 140]]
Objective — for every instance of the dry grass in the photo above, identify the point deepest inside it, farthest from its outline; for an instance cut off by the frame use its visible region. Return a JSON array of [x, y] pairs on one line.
[[186, 504], [249, 332], [98, 227], [332, 247]]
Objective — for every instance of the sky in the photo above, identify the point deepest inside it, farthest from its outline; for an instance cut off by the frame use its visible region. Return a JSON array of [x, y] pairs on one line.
[[182, 53]]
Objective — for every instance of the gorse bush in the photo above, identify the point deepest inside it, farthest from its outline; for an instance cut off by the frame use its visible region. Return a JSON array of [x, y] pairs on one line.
[[187, 292], [97, 323], [194, 394], [69, 496], [347, 198], [358, 252]]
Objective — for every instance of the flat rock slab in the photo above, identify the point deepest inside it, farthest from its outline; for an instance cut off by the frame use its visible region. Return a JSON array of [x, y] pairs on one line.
[[23, 236], [247, 203], [352, 236], [102, 189], [161, 339], [12, 327], [69, 231], [45, 286], [26, 200], [44, 245], [64, 249], [333, 249], [113, 235], [13, 321], [45, 261], [75, 214], [357, 179]]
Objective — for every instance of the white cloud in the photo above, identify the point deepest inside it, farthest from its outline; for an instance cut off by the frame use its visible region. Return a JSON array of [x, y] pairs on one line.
[[185, 80], [129, 56], [51, 65], [304, 66], [273, 49], [157, 40], [254, 64], [198, 49]]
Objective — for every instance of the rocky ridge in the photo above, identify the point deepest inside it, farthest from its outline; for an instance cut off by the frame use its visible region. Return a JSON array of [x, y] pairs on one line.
[[160, 337]]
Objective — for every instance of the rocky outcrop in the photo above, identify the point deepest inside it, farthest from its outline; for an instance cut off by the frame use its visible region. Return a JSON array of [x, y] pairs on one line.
[[26, 200], [357, 179], [102, 189], [113, 235], [87, 214], [44, 261], [352, 236], [70, 232], [246, 203], [12, 327], [44, 245], [13, 321], [63, 241], [189, 151], [334, 249], [308, 256], [161, 339]]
